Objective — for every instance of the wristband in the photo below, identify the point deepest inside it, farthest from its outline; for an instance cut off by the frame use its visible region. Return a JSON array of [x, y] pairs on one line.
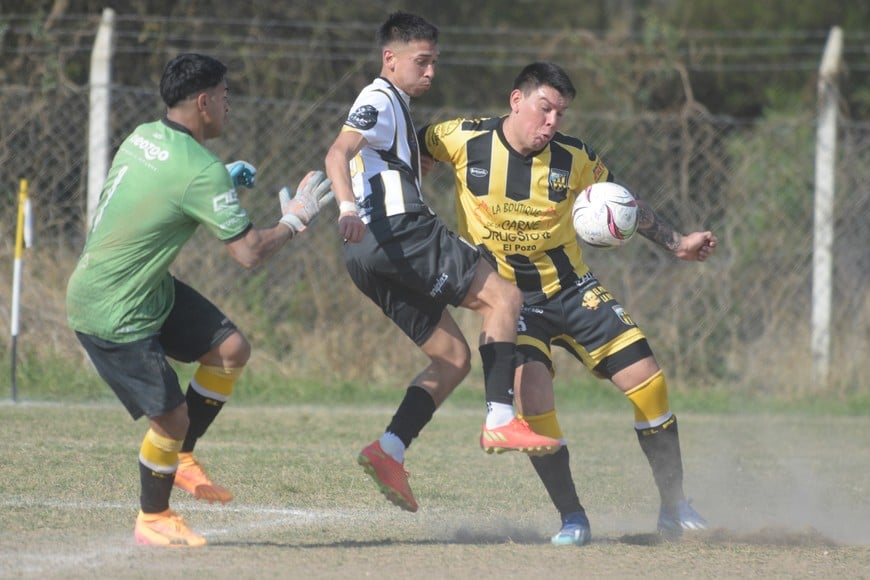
[[344, 206], [293, 223]]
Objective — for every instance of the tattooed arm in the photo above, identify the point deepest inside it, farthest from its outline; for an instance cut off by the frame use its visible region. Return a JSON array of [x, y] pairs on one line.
[[696, 246]]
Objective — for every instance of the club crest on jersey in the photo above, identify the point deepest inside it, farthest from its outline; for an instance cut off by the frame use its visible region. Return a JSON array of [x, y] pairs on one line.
[[363, 118], [623, 315], [558, 182]]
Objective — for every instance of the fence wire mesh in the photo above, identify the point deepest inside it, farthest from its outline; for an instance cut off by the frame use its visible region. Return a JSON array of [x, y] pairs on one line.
[[741, 319]]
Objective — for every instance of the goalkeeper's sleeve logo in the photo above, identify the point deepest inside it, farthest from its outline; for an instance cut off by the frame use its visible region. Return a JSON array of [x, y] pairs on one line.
[[223, 201], [363, 118]]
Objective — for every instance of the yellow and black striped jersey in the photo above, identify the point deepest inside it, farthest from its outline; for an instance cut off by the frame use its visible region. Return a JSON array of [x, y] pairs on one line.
[[518, 207]]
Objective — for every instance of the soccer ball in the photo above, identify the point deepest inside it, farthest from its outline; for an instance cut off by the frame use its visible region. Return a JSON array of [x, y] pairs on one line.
[[605, 215]]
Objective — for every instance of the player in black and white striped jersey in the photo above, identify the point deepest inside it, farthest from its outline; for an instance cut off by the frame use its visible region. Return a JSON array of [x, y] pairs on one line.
[[403, 257]]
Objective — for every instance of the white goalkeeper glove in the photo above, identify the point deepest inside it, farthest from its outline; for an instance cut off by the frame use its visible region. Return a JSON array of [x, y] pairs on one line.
[[312, 194], [242, 173]]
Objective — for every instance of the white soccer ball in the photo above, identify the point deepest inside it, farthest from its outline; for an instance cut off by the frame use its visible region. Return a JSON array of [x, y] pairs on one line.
[[605, 215]]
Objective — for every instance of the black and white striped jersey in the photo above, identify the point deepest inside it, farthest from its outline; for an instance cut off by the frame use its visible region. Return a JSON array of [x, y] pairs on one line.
[[386, 172]]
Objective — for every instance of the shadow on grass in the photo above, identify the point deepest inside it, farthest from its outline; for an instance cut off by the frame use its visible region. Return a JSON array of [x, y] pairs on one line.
[[808, 538], [342, 544], [770, 536]]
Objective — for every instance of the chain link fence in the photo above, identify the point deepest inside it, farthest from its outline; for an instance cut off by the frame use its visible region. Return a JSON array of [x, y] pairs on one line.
[[742, 319]]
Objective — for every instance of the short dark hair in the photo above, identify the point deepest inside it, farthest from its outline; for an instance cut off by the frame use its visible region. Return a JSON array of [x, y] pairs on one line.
[[545, 74], [404, 27], [188, 74]]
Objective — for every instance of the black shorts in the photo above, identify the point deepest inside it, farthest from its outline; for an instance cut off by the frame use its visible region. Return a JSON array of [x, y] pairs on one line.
[[588, 322], [138, 371], [412, 266], [194, 326]]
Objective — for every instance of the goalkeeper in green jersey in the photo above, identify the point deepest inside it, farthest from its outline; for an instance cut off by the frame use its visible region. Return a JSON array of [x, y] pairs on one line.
[[130, 313]]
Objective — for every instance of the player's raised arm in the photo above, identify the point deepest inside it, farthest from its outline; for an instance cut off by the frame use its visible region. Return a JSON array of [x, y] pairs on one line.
[[693, 247], [312, 194]]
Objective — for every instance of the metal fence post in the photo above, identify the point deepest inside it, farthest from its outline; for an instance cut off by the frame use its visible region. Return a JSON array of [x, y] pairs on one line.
[[100, 109], [826, 159]]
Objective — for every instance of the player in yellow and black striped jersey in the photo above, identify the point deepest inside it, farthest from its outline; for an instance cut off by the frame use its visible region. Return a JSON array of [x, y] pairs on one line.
[[519, 207], [516, 180]]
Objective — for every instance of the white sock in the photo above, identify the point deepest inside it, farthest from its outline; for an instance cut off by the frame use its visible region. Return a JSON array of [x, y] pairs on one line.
[[498, 414], [393, 446]]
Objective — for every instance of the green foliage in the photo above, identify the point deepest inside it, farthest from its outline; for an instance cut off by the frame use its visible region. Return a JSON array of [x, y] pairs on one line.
[[781, 15], [753, 55], [56, 380], [774, 194], [40, 378]]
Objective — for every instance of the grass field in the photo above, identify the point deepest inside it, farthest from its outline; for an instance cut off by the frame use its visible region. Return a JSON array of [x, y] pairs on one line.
[[786, 496]]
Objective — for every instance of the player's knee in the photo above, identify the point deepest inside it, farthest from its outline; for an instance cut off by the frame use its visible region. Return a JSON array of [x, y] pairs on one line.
[[497, 294], [234, 352], [174, 423], [242, 353], [510, 298]]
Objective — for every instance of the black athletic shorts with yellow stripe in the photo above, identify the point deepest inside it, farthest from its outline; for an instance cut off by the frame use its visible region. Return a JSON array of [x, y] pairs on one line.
[[138, 372], [412, 266], [587, 321]]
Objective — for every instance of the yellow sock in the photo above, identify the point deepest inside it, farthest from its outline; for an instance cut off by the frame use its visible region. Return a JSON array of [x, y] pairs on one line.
[[650, 400], [215, 382], [159, 453], [546, 424]]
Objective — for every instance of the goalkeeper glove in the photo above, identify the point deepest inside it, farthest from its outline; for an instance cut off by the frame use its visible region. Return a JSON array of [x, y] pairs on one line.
[[312, 194], [242, 173]]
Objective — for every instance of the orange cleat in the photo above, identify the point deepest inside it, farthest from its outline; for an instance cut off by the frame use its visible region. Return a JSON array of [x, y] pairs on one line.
[[389, 475], [166, 529], [192, 478], [517, 436]]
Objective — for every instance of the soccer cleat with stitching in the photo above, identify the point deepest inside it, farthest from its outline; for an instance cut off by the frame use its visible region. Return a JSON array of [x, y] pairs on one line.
[[575, 530], [517, 436], [192, 478], [389, 475], [166, 529], [673, 520]]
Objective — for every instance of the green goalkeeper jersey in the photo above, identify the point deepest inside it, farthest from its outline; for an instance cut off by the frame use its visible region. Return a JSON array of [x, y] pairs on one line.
[[161, 186]]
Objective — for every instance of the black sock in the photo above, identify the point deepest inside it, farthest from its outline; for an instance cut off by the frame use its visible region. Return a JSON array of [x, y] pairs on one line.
[[413, 413], [202, 412], [661, 445], [155, 489], [498, 371], [555, 473]]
